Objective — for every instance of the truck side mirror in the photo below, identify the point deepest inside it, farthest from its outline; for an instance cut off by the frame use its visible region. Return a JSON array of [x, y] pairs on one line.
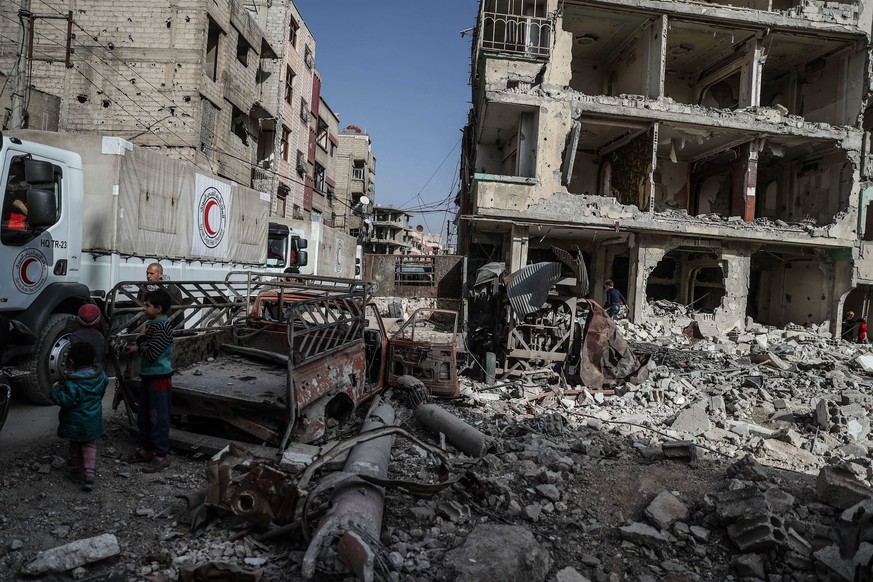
[[41, 208], [38, 171]]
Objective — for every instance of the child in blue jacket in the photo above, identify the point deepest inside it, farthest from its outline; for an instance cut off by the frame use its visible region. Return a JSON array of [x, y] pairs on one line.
[[80, 420]]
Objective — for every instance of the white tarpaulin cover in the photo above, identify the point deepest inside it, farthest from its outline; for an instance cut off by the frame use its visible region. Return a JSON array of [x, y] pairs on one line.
[[140, 202]]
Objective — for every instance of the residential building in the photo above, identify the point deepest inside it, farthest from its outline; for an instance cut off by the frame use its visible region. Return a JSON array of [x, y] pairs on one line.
[[712, 154], [323, 147], [186, 78], [355, 177], [390, 232]]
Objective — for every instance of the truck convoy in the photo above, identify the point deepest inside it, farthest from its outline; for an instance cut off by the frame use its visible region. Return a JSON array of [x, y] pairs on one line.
[[81, 214]]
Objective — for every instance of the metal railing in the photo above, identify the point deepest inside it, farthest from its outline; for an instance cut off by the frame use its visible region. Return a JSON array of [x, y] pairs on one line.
[[509, 26]]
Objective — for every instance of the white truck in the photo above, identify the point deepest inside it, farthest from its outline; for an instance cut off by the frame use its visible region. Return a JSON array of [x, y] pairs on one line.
[[82, 213]]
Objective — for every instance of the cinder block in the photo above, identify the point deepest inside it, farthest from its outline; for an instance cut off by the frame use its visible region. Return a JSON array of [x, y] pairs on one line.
[[840, 488], [748, 501], [758, 532]]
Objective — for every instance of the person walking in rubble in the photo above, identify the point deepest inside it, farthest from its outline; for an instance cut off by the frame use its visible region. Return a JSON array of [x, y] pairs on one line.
[[614, 299], [155, 348], [849, 326]]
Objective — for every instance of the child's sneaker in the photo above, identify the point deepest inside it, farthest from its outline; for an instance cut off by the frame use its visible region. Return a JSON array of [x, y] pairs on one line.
[[88, 485]]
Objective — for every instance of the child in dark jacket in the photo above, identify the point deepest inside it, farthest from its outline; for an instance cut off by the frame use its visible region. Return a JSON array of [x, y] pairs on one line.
[[155, 348], [80, 419]]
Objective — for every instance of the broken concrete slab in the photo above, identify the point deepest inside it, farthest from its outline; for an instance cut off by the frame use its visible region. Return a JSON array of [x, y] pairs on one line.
[[840, 488], [693, 420], [643, 534], [752, 533], [665, 509], [569, 574], [73, 555], [499, 552], [865, 362]]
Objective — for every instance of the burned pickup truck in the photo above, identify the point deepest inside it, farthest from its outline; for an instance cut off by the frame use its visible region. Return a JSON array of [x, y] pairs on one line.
[[539, 317], [277, 356]]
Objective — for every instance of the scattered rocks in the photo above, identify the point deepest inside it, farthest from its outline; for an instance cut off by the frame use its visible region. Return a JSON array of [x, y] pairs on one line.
[[665, 508], [72, 555], [499, 552]]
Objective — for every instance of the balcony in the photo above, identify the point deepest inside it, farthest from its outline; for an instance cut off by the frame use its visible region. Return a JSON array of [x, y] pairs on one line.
[[504, 27]]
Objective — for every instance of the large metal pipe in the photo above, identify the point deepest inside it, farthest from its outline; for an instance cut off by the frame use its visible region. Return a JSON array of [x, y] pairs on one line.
[[355, 514], [458, 433]]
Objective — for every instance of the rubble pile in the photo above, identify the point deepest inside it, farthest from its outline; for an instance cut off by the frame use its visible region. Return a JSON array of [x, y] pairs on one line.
[[744, 457]]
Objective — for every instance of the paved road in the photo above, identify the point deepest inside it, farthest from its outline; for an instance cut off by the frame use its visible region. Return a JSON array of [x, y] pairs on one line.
[[28, 422]]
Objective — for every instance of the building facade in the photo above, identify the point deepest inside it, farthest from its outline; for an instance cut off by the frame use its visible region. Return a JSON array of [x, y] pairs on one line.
[[355, 177], [186, 78], [390, 232], [703, 153]]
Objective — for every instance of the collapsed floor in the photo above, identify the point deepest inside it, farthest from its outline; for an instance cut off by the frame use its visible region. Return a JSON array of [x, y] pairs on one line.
[[577, 485]]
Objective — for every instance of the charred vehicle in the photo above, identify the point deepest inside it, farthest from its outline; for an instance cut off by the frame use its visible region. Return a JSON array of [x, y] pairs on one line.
[[539, 317], [275, 356]]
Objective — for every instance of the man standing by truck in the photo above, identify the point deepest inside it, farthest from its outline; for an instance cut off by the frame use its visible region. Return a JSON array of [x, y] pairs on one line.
[[155, 348]]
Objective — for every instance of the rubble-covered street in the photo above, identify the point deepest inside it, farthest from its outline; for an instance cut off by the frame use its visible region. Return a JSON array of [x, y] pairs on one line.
[[739, 458]]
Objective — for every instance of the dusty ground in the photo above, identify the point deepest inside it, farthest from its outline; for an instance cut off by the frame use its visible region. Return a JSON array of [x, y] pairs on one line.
[[608, 484]]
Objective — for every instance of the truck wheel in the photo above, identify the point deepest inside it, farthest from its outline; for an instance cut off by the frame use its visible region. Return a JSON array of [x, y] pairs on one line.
[[47, 364]]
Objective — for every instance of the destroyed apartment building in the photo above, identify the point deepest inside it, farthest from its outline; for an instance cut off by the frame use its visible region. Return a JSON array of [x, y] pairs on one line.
[[710, 154]]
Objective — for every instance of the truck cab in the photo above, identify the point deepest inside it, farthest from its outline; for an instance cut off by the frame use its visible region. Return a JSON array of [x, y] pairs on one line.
[[40, 252]]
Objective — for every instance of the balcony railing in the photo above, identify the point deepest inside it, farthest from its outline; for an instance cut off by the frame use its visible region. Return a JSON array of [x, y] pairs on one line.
[[529, 36]]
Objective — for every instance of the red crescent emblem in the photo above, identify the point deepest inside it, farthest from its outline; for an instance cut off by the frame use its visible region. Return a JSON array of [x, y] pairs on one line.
[[206, 211], [23, 271]]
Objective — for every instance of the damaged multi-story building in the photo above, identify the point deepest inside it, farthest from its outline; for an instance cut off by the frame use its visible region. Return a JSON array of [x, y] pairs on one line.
[[711, 154]]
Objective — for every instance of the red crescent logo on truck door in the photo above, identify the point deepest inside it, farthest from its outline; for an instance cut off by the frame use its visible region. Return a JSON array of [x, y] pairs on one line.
[[29, 271], [211, 217]]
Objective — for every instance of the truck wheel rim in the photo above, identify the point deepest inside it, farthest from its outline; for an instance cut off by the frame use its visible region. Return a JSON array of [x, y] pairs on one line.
[[58, 358]]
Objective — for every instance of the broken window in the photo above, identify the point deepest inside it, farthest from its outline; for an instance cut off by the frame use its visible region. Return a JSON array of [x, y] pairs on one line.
[[284, 145], [318, 174], [238, 123], [814, 77], [292, 32], [289, 85], [692, 279], [210, 62], [788, 286], [282, 199], [304, 111], [321, 135], [242, 49], [508, 145], [308, 58], [802, 182], [710, 66], [358, 170]]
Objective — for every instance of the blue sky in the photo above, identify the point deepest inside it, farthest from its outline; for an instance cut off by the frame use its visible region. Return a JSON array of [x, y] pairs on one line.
[[399, 69]]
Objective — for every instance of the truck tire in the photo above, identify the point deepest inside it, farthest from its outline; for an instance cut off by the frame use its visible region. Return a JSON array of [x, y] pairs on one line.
[[46, 365]]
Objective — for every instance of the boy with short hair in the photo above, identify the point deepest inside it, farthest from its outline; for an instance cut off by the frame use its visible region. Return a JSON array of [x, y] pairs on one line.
[[80, 419], [155, 348]]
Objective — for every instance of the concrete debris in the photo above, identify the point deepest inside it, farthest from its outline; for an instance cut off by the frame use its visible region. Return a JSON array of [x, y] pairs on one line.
[[840, 487], [644, 535], [665, 509], [73, 555], [499, 552], [569, 574]]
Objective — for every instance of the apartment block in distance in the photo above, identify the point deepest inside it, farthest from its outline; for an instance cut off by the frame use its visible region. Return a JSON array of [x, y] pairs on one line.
[[390, 233], [710, 154], [355, 177]]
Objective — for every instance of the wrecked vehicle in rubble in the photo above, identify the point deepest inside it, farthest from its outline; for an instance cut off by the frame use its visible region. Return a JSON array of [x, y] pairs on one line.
[[277, 356], [539, 317]]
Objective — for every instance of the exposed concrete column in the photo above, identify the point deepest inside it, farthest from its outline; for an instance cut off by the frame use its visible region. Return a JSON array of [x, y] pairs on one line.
[[745, 182], [737, 266], [643, 259], [750, 75], [517, 244], [657, 36]]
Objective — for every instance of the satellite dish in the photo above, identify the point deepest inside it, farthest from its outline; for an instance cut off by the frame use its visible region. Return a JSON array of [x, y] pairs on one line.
[[419, 228], [364, 200]]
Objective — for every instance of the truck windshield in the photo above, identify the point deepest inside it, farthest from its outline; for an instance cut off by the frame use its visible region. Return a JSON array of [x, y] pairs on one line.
[[14, 227], [277, 250]]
